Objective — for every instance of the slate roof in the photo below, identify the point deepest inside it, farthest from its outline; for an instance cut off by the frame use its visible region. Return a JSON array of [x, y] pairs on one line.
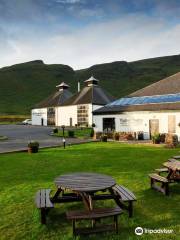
[[55, 99], [90, 94], [165, 86]]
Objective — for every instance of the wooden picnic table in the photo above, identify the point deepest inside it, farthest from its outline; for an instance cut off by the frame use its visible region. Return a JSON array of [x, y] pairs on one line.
[[84, 185], [174, 170]]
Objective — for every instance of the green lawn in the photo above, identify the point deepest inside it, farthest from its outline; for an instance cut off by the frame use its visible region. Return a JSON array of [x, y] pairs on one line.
[[78, 132], [22, 174]]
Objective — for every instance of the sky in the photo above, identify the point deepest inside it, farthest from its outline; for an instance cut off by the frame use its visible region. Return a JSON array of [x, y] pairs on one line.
[[81, 33]]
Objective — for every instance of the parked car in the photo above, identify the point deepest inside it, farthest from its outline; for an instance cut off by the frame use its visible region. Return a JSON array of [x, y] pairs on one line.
[[27, 122]]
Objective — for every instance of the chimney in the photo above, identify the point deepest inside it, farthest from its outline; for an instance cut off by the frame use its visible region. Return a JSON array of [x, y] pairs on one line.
[[79, 87]]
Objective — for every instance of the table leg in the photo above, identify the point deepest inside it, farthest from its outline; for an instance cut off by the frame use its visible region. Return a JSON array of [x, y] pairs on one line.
[[56, 195], [88, 202]]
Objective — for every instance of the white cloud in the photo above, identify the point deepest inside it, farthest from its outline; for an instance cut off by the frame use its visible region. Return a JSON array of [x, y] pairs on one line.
[[130, 38], [68, 1]]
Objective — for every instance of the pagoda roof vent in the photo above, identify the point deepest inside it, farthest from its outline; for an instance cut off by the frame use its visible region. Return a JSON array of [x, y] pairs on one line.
[[91, 81], [62, 86]]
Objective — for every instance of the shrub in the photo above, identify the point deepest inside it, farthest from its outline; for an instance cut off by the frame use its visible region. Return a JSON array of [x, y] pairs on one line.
[[33, 144], [156, 138], [109, 134], [104, 138], [129, 136], [55, 130], [98, 135], [171, 139], [33, 147], [70, 133], [92, 133], [116, 136]]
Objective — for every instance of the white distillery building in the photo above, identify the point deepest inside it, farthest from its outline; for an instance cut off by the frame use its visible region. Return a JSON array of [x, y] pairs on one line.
[[63, 108], [153, 109], [77, 110], [44, 113]]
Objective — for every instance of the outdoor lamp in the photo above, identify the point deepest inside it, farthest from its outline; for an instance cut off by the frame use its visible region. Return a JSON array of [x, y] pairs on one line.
[[63, 127], [64, 142]]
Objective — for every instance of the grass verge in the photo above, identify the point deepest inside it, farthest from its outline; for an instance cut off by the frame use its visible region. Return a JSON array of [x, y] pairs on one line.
[[23, 174]]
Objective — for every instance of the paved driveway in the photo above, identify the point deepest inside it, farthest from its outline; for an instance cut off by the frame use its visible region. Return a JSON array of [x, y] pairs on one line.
[[20, 135]]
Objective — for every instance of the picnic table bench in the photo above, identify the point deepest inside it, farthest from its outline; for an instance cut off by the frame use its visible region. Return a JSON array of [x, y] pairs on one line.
[[172, 168], [95, 214], [161, 170], [164, 188], [123, 196], [43, 202]]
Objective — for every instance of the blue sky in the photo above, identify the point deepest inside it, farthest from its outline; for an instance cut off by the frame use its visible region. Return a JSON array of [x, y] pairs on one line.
[[81, 33]]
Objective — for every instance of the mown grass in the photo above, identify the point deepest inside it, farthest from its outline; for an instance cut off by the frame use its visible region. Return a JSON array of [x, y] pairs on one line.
[[79, 132], [22, 174]]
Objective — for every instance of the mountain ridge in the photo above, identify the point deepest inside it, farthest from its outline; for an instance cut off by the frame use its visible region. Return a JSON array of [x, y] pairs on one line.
[[23, 85]]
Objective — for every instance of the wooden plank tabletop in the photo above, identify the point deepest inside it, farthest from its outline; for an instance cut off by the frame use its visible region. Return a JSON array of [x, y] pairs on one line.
[[85, 182], [175, 166]]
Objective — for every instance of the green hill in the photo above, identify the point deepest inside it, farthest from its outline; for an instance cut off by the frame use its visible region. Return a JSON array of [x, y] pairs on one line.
[[24, 85]]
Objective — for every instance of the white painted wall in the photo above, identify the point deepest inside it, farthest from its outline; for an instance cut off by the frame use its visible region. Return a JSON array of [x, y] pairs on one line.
[[138, 121], [37, 115], [91, 109], [64, 113]]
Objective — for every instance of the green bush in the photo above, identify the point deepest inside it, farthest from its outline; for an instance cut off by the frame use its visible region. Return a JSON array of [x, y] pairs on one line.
[[55, 130], [33, 147], [104, 138], [92, 132], [156, 138], [70, 133], [33, 144]]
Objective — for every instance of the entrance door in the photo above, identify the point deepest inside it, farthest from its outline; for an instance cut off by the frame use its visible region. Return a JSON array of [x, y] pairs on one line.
[[108, 124], [153, 126], [171, 124]]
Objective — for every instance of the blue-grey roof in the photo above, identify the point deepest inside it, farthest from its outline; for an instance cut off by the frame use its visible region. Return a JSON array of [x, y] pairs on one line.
[[167, 98], [146, 103]]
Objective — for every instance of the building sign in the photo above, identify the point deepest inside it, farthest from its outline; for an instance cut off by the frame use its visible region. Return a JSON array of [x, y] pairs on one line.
[[130, 122], [124, 122], [39, 113]]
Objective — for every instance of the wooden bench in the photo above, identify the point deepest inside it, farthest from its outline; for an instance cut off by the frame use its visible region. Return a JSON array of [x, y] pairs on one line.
[[43, 203], [176, 157], [123, 196], [161, 170], [95, 214], [155, 178], [172, 160]]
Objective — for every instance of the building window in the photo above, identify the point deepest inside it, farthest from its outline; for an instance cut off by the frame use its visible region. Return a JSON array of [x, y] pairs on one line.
[[108, 124], [51, 116], [82, 115]]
